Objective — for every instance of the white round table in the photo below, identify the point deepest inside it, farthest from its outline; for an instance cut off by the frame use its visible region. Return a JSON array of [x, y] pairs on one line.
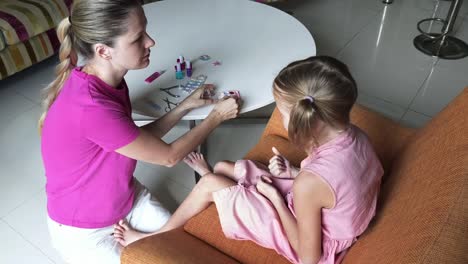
[[252, 42]]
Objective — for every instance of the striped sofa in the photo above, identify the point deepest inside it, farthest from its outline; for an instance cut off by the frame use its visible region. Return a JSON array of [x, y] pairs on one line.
[[27, 32]]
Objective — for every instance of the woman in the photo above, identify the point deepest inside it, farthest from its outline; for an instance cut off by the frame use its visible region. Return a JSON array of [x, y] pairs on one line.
[[90, 143]]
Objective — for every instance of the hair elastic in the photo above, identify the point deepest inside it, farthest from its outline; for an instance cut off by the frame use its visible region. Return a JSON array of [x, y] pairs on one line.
[[310, 98], [69, 19]]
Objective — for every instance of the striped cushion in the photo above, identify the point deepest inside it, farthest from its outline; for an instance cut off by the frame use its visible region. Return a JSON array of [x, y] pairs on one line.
[[15, 58], [23, 19], [2, 42]]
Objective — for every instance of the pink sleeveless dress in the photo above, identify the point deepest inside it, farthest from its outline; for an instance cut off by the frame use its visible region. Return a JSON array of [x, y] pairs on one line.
[[347, 163]]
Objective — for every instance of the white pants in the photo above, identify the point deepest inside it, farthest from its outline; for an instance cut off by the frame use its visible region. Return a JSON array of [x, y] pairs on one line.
[[84, 245]]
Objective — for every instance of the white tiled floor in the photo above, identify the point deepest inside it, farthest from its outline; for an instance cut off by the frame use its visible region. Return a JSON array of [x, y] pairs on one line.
[[375, 41]]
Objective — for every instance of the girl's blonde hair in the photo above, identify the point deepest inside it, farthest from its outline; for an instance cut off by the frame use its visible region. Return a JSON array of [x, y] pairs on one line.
[[317, 88], [90, 22]]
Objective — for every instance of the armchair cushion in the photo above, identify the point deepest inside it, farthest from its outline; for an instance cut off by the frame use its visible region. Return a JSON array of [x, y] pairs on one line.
[[173, 247]]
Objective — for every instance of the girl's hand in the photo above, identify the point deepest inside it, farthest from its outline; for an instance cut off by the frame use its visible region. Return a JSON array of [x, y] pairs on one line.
[[195, 100], [226, 108], [279, 166], [265, 187]]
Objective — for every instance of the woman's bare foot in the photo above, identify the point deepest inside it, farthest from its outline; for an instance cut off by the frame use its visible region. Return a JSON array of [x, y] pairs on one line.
[[126, 235], [198, 163]]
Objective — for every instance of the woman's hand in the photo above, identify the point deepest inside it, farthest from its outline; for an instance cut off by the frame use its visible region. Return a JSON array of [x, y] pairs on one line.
[[226, 109], [279, 166], [266, 188], [195, 99]]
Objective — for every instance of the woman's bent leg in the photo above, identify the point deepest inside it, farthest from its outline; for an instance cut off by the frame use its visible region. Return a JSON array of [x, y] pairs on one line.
[[82, 245], [148, 214]]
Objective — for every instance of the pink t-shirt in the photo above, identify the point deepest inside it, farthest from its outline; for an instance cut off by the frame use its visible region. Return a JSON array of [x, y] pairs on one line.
[[89, 185]]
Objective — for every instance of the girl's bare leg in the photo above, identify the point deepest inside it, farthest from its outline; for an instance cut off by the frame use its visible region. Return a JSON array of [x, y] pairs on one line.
[[198, 200], [225, 168], [198, 163]]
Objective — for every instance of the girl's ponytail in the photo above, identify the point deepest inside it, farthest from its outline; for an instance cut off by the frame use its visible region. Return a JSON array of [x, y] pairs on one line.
[[301, 121]]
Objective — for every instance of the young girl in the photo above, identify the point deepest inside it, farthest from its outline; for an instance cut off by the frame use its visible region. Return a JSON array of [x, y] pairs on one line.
[[308, 215], [89, 141]]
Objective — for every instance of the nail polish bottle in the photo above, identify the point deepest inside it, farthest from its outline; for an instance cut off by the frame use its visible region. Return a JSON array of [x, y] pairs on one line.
[[188, 67], [181, 60], [179, 72]]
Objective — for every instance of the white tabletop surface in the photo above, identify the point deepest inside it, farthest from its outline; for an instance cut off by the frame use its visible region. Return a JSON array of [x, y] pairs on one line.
[[252, 41]]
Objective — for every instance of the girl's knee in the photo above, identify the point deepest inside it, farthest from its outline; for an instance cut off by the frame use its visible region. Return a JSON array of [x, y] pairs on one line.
[[206, 182], [212, 182], [223, 166]]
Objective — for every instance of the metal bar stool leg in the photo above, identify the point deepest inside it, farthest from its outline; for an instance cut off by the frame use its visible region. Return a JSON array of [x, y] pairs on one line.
[[441, 44]]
